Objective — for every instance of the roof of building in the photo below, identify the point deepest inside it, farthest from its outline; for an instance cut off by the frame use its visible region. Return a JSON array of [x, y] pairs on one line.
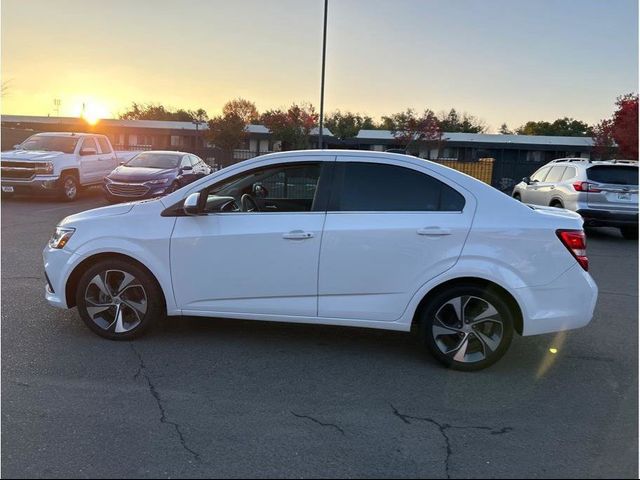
[[494, 138]]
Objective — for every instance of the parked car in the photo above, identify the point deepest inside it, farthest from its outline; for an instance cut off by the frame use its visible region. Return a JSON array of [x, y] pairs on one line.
[[383, 241], [57, 163], [154, 173], [604, 193]]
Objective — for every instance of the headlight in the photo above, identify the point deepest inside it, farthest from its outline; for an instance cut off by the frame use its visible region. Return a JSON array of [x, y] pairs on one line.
[[159, 181], [46, 167], [61, 237]]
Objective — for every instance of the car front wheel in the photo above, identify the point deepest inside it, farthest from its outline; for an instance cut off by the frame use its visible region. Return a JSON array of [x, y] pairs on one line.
[[119, 300], [69, 188], [467, 327]]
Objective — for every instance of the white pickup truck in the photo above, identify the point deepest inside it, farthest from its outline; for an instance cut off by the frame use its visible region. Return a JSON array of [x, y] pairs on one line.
[[58, 163]]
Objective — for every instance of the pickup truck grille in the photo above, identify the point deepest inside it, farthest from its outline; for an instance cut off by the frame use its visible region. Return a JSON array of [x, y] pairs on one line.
[[18, 170], [127, 189]]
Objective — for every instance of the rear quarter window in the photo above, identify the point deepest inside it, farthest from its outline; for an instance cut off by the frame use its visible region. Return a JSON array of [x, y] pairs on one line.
[[616, 175]]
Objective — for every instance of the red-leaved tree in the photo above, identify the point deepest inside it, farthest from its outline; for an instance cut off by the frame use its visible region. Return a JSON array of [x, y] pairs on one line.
[[293, 126], [603, 142], [625, 126], [412, 129]]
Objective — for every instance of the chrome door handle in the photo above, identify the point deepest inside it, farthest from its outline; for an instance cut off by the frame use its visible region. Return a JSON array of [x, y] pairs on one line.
[[297, 235], [434, 231]]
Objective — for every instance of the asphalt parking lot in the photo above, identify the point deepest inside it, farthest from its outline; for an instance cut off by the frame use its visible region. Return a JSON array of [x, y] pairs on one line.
[[211, 398]]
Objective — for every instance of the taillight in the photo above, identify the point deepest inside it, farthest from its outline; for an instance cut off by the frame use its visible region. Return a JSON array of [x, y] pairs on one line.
[[576, 243], [585, 187]]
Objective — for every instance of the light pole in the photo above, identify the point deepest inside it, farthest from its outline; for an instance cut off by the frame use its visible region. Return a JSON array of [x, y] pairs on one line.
[[324, 54]]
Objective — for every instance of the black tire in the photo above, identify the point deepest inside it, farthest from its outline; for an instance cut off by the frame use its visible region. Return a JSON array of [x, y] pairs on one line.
[[556, 204], [142, 291], [474, 343], [69, 187], [630, 233], [517, 197]]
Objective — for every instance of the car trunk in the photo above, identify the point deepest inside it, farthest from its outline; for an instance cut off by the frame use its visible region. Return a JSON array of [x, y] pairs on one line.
[[613, 188]]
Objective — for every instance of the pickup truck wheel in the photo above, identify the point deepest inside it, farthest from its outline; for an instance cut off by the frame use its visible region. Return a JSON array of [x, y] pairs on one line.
[[69, 187]]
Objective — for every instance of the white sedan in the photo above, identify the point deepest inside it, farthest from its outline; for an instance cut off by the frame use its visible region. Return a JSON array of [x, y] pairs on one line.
[[353, 238]]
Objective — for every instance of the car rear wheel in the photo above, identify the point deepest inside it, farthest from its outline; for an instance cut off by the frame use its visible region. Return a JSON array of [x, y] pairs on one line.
[[119, 300], [467, 327], [517, 197], [69, 187], [630, 233], [556, 204]]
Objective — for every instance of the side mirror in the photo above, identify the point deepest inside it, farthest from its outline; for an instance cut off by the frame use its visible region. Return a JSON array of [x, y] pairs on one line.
[[186, 168], [88, 151], [527, 180], [16, 146], [259, 191], [192, 204]]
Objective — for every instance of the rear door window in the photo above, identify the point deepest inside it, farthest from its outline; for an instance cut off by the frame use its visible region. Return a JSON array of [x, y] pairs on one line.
[[569, 173], [374, 187], [615, 175], [104, 145], [555, 174]]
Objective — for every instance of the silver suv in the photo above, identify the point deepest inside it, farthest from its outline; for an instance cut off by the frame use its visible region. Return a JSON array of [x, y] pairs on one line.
[[604, 193]]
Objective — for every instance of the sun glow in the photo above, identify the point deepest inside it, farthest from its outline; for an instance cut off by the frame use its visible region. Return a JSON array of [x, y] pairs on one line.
[[93, 112]]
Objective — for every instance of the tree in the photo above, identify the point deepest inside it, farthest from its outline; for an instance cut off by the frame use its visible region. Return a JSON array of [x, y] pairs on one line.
[[293, 126], [562, 127], [150, 111], [452, 122], [227, 131], [625, 126], [411, 129], [504, 130], [603, 142], [347, 124], [245, 109]]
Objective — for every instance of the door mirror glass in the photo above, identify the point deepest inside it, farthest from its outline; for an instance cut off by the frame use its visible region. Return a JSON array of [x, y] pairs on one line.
[[260, 191], [88, 151], [527, 180], [186, 168], [192, 204]]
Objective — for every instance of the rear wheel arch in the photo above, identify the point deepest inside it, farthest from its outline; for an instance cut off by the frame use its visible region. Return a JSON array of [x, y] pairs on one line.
[[556, 202], [78, 271], [470, 281]]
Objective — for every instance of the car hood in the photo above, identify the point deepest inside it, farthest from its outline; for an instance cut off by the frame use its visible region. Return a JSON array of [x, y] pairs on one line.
[[111, 210], [31, 155], [140, 174]]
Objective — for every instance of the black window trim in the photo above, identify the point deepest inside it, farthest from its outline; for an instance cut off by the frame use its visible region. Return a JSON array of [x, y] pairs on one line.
[[338, 178]]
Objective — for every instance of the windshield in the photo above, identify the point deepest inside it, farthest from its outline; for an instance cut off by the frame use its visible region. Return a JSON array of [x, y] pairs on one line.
[[50, 143], [615, 175], [154, 160]]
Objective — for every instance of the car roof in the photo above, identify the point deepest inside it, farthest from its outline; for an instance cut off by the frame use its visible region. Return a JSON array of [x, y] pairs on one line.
[[588, 163], [66, 134], [172, 152]]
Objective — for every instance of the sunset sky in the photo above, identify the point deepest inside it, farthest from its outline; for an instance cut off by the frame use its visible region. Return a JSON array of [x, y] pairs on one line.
[[501, 60]]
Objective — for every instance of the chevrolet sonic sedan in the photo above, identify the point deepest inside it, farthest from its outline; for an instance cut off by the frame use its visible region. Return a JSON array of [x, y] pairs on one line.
[[154, 173], [359, 239]]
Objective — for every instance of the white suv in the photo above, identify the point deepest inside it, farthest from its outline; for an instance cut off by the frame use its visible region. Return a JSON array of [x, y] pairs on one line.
[[359, 239], [604, 193]]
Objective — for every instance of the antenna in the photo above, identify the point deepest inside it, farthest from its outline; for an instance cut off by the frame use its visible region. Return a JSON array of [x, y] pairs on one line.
[[56, 104]]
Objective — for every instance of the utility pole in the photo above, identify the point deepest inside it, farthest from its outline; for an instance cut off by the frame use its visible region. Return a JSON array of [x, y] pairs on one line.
[[324, 54]]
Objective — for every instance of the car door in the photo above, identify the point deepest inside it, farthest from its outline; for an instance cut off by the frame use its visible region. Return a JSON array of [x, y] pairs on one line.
[[530, 192], [546, 189], [107, 158], [187, 173], [390, 228], [199, 167], [259, 260], [89, 161]]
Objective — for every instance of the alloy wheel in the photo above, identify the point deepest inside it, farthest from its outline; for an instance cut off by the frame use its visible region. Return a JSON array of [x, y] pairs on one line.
[[116, 301], [467, 329], [70, 188]]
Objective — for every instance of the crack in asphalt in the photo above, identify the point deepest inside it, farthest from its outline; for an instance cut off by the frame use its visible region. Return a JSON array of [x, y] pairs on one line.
[[156, 395], [443, 427], [315, 420]]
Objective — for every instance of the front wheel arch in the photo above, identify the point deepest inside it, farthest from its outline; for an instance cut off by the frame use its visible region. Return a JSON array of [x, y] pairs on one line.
[[76, 274], [473, 281]]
